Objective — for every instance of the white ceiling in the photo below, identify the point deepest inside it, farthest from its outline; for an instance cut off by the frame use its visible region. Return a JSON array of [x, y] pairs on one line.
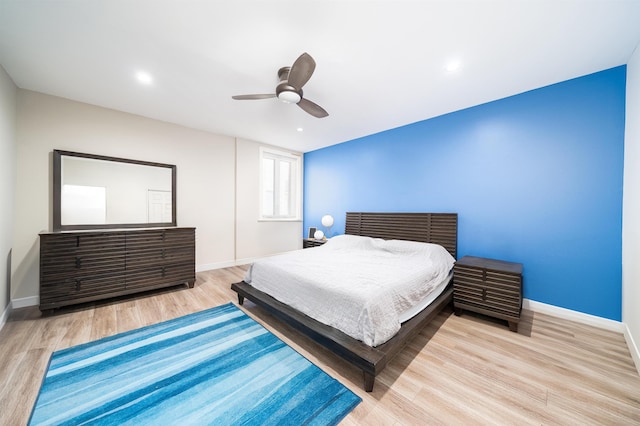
[[380, 64]]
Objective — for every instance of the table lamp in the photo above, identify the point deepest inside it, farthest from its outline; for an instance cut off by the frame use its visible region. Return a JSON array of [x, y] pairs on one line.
[[327, 222]]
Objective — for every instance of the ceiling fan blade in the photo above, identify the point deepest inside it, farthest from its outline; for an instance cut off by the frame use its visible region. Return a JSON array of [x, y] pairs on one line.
[[253, 97], [301, 71], [312, 108]]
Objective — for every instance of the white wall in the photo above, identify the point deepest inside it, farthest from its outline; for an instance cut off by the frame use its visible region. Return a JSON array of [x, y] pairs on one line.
[[256, 239], [631, 211], [7, 182], [206, 173]]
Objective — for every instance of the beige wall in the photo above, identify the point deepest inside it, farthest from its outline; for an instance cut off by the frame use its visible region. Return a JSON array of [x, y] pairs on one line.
[[206, 176], [8, 92], [631, 210]]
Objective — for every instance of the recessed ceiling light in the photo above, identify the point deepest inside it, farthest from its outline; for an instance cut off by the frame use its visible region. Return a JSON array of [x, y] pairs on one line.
[[452, 66], [144, 77], [299, 129]]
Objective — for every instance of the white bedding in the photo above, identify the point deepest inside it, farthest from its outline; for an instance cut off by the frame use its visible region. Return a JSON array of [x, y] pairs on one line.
[[359, 285]]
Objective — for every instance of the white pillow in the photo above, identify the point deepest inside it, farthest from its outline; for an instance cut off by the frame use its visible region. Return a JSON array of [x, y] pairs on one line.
[[403, 246], [434, 253], [350, 242]]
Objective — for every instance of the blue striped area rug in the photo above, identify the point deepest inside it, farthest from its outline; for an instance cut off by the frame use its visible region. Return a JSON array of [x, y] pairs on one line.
[[213, 367]]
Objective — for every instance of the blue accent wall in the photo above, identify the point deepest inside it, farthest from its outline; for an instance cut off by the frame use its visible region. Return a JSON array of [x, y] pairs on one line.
[[535, 178]]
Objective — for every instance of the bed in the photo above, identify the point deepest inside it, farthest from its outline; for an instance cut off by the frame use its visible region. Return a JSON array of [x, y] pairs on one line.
[[436, 228]]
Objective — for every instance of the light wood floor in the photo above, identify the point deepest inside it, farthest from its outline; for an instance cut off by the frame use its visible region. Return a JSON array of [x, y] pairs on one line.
[[459, 370]]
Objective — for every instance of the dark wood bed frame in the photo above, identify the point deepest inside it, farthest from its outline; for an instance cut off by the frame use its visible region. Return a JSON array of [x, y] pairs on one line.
[[438, 228]]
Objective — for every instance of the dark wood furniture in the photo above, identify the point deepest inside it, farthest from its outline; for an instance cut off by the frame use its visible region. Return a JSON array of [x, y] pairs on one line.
[[312, 242], [83, 266], [490, 287], [439, 228]]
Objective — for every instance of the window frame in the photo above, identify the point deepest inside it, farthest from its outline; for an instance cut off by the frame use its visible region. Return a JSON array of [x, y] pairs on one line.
[[295, 185]]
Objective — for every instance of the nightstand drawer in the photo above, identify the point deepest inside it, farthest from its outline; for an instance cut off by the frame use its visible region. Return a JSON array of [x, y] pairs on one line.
[[488, 299], [312, 242], [487, 292], [510, 285]]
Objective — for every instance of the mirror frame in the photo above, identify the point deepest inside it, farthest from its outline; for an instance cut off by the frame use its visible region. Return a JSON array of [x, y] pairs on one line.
[[57, 193]]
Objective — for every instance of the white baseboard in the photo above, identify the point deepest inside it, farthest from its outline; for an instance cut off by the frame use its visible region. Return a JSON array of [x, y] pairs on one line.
[[587, 319], [633, 348], [576, 316], [5, 315], [217, 265], [248, 260], [23, 302]]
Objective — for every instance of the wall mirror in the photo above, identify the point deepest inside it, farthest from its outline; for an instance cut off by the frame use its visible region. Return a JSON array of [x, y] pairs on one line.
[[96, 192]]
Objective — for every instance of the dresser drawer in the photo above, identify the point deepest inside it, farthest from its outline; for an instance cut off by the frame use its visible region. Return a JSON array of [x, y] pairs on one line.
[[81, 264], [160, 238], [160, 276], [54, 292], [143, 258], [72, 244], [79, 255]]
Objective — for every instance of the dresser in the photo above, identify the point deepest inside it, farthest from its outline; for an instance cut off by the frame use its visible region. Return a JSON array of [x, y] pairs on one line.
[[488, 286], [84, 266]]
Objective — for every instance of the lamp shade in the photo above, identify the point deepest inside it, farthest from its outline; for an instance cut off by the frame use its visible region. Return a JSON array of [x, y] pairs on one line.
[[327, 220]]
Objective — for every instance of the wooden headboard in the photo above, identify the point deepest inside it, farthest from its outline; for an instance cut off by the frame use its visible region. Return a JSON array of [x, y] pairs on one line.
[[437, 228]]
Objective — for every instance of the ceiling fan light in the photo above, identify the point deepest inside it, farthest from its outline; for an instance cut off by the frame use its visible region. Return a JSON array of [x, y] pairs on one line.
[[289, 97]]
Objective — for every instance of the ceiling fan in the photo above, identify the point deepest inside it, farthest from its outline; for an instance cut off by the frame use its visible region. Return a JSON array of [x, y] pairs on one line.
[[289, 89]]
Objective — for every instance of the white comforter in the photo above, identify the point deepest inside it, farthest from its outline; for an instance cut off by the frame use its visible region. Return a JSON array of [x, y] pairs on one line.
[[358, 285]]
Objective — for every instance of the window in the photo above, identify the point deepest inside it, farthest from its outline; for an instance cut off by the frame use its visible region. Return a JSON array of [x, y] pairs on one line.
[[280, 185], [83, 205]]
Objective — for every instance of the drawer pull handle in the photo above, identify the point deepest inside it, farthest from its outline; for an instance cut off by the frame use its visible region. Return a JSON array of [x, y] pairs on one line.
[[163, 253], [484, 294], [164, 271], [78, 262], [78, 285]]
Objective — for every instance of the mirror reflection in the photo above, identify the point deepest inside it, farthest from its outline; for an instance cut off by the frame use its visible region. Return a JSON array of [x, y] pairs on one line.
[[98, 191]]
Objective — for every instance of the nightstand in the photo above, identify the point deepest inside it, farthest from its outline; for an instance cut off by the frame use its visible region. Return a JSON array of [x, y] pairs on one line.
[[490, 287], [312, 242]]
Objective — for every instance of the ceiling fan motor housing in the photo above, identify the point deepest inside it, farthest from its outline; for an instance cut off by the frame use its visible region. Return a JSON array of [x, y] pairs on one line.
[[289, 94], [286, 92]]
